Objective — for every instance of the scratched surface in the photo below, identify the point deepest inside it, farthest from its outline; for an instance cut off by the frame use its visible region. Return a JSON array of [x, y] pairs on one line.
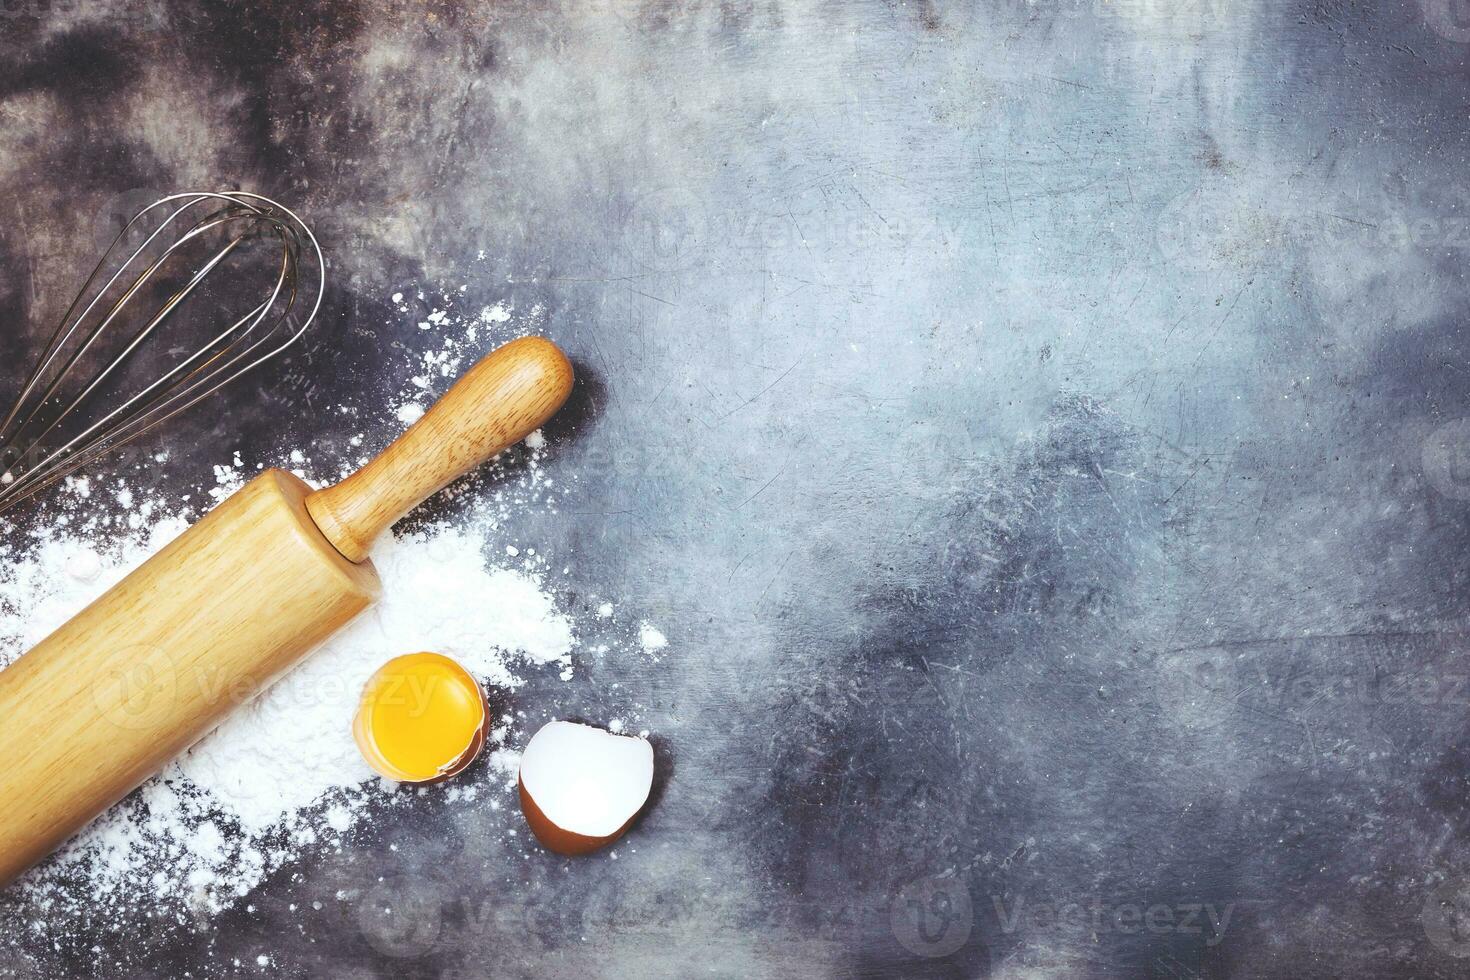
[[1039, 428]]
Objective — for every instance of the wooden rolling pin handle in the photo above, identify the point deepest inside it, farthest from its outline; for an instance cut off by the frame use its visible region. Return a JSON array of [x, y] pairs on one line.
[[508, 395]]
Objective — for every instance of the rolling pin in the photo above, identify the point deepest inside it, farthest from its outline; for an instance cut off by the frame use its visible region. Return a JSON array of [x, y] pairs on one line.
[[232, 604]]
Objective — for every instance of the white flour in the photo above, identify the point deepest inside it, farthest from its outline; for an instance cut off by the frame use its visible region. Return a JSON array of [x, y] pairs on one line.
[[438, 595], [283, 774]]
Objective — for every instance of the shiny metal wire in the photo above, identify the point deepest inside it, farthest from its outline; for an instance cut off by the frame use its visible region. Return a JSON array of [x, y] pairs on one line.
[[67, 415]]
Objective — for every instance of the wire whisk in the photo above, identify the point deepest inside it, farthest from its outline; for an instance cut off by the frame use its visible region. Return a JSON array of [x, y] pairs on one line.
[[159, 326]]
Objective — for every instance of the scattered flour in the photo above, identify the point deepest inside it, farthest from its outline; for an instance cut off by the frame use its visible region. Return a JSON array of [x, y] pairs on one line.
[[272, 760], [438, 594], [282, 774], [651, 638]]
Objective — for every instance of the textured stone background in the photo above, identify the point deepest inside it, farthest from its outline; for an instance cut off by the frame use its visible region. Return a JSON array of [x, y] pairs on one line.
[[1039, 427]]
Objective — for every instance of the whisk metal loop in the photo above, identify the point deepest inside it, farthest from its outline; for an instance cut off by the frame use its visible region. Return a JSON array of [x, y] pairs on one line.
[[61, 421]]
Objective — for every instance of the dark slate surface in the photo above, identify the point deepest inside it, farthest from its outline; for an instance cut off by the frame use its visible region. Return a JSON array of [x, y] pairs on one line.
[[1040, 428]]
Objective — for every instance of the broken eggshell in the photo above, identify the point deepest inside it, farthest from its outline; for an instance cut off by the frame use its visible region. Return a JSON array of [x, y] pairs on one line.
[[422, 719], [581, 787]]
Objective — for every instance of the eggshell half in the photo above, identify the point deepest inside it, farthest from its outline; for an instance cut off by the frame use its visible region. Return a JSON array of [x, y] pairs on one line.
[[581, 788]]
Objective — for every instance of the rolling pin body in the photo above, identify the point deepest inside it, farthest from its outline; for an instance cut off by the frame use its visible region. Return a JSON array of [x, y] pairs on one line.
[[237, 600], [150, 667]]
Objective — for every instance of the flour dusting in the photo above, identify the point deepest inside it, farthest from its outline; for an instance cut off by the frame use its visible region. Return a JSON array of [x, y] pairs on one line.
[[438, 594], [282, 775]]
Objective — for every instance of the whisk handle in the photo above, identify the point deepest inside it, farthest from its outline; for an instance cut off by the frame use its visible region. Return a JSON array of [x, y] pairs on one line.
[[509, 394]]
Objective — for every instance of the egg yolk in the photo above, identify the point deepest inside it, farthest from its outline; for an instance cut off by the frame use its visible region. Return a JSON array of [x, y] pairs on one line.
[[422, 716]]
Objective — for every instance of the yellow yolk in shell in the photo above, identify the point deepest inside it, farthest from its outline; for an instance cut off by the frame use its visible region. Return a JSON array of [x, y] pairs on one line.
[[421, 718]]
